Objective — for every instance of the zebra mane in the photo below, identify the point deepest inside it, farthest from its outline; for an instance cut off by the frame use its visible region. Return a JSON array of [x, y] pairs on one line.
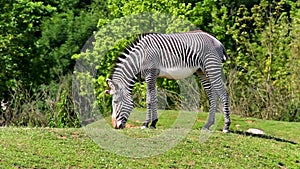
[[126, 51]]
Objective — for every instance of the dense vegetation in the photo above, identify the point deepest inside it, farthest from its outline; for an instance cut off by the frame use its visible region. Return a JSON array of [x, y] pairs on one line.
[[40, 42]]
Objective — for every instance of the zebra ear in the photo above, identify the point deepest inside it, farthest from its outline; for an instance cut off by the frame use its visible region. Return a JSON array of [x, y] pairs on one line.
[[108, 81], [111, 87]]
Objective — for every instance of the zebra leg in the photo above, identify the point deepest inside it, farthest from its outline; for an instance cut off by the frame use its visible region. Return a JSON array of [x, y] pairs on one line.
[[215, 78], [151, 100], [225, 100], [211, 97]]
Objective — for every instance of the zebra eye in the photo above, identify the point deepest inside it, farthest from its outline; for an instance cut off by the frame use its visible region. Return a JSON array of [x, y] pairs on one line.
[[116, 102]]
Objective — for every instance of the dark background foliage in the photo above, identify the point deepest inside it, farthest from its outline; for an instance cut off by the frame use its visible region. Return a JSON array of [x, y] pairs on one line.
[[39, 41]]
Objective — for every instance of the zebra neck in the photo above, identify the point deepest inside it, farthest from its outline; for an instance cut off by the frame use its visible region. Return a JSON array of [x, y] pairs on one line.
[[125, 83], [125, 76], [128, 65]]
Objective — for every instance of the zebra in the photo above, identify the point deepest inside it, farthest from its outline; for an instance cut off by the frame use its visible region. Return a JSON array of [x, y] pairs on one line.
[[173, 56]]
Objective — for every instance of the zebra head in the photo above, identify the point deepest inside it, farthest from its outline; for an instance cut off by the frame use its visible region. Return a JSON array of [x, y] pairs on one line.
[[122, 104]]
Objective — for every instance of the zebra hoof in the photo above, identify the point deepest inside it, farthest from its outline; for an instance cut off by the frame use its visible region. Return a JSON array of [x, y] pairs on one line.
[[204, 129], [225, 131], [152, 127], [144, 127]]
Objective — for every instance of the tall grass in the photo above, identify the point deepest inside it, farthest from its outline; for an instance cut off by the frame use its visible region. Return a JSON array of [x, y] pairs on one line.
[[282, 103], [48, 105]]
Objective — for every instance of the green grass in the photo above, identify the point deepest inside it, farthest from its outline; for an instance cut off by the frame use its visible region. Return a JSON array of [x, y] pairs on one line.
[[73, 148]]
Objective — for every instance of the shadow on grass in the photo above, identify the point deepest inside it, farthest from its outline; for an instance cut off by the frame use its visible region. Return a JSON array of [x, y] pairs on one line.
[[261, 136]]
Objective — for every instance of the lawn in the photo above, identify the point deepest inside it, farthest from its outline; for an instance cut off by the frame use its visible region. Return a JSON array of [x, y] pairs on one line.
[[78, 148]]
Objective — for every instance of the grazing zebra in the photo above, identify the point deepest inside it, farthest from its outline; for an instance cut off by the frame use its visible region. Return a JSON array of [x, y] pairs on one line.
[[173, 56]]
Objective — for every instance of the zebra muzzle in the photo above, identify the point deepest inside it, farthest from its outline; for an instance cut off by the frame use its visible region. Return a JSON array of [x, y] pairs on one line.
[[117, 125], [114, 123]]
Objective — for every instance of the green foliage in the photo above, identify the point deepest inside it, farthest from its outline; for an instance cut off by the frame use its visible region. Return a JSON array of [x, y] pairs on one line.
[[19, 29], [64, 5], [293, 65], [37, 40], [62, 36], [263, 42], [122, 8], [40, 42]]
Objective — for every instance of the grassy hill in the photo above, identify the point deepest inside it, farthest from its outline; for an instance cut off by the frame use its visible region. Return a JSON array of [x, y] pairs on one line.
[[73, 148]]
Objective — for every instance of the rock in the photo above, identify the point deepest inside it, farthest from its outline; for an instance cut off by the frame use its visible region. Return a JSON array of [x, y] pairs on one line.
[[255, 131]]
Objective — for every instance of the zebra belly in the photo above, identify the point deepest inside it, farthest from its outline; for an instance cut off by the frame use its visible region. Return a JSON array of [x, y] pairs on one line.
[[177, 72]]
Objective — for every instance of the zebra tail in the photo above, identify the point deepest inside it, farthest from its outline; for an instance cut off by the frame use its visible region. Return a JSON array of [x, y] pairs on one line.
[[225, 56]]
